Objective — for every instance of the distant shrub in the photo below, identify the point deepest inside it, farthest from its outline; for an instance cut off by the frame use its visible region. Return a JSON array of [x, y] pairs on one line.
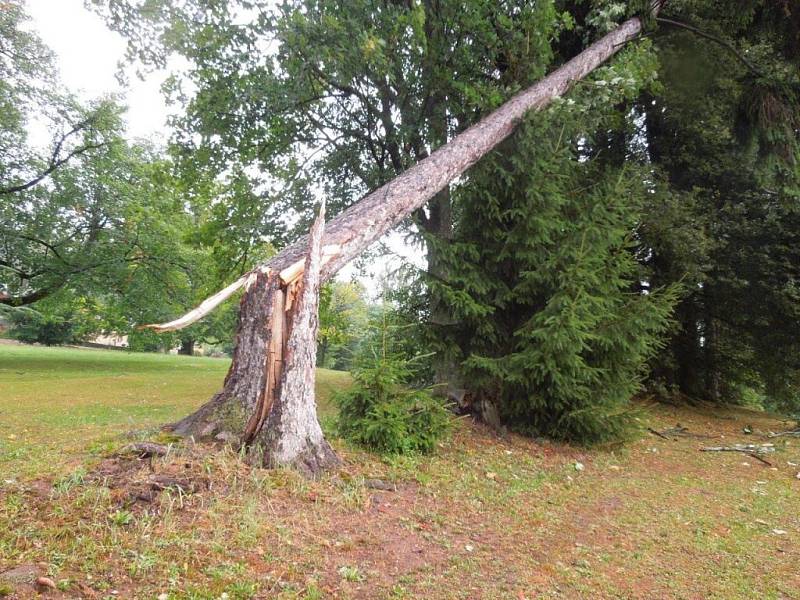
[[34, 327], [146, 340], [379, 411]]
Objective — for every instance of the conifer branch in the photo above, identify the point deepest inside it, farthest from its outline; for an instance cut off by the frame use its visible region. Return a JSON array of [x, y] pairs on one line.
[[727, 45]]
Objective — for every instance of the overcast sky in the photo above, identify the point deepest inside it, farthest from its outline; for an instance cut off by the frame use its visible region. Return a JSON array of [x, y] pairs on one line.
[[88, 53]]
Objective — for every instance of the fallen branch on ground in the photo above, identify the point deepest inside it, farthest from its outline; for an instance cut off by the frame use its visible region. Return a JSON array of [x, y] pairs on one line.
[[752, 450], [678, 431], [792, 433], [659, 434]]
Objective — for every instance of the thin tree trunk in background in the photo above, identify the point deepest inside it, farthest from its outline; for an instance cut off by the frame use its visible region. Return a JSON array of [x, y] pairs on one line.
[[322, 353], [438, 226], [712, 375], [688, 349], [187, 347], [351, 232]]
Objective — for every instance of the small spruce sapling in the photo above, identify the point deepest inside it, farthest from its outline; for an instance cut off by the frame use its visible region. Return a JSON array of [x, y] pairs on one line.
[[380, 411]]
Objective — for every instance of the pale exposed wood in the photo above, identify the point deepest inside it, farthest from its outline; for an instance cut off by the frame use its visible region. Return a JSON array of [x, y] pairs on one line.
[[207, 306], [291, 294], [273, 367], [293, 272], [292, 435]]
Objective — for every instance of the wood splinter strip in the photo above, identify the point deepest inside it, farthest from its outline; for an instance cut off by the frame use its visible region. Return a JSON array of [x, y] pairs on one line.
[[293, 272], [205, 307], [289, 275]]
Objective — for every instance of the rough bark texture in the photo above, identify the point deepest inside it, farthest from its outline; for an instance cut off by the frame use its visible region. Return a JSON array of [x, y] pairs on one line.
[[352, 231], [227, 412], [292, 435]]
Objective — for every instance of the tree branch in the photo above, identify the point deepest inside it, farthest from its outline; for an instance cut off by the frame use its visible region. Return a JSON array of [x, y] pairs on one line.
[[30, 297], [55, 162], [727, 45]]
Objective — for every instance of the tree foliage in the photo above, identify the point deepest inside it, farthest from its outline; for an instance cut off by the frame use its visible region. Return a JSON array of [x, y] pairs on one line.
[[724, 134], [380, 411], [343, 316], [30, 91], [552, 267], [95, 232], [556, 323]]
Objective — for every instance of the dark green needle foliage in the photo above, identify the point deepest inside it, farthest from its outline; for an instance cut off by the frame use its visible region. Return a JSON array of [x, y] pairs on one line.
[[556, 324], [380, 411]]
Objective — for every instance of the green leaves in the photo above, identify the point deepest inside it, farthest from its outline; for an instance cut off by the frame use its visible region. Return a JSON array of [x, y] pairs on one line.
[[557, 323]]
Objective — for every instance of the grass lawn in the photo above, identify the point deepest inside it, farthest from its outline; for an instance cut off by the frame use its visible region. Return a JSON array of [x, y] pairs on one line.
[[488, 516]]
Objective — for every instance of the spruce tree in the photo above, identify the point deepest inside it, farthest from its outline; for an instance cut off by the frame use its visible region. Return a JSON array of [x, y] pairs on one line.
[[731, 162], [555, 327]]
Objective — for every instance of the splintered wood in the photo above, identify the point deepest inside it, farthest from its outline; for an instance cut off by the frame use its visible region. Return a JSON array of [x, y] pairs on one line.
[[291, 434], [293, 273], [273, 366], [283, 303]]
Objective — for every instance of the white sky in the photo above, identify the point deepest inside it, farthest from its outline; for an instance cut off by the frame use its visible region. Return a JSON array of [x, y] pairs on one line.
[[88, 54]]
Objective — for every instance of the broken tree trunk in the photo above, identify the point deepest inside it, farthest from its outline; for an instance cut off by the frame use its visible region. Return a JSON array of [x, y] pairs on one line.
[[226, 414], [292, 435], [249, 391]]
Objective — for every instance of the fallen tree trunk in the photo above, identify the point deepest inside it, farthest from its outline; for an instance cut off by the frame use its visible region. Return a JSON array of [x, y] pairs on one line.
[[244, 404]]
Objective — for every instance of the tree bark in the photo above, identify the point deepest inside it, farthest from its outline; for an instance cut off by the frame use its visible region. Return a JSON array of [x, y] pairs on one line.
[[438, 226], [227, 412], [292, 435], [345, 237], [713, 377], [187, 347], [353, 230]]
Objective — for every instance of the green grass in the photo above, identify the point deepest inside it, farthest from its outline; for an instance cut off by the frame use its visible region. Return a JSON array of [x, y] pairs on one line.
[[55, 402], [484, 517]]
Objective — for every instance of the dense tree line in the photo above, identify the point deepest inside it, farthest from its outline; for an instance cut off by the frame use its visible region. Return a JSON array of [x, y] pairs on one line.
[[668, 181]]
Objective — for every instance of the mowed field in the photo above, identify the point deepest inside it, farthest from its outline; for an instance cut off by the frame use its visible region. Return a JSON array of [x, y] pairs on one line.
[[488, 516]]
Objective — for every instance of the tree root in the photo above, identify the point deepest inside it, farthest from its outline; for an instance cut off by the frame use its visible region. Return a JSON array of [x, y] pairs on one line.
[[220, 418]]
